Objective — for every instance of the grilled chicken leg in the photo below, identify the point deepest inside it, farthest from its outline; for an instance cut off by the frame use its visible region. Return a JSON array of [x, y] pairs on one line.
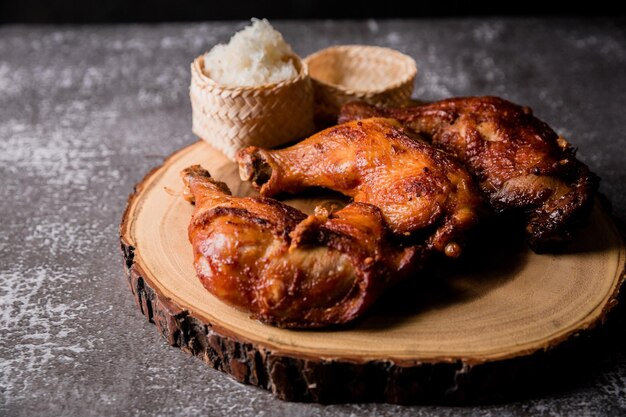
[[285, 268], [520, 163], [419, 190]]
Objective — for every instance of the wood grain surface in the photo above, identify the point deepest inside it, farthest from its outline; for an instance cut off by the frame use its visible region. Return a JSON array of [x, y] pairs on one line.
[[424, 338]]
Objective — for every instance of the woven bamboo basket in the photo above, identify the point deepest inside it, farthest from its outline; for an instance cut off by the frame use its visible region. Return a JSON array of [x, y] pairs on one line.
[[377, 75], [230, 118]]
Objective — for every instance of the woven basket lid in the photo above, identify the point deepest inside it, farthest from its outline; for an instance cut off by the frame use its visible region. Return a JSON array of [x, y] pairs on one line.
[[377, 75]]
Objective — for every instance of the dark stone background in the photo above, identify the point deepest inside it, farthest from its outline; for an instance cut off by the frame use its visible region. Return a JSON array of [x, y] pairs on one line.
[[112, 11], [86, 111]]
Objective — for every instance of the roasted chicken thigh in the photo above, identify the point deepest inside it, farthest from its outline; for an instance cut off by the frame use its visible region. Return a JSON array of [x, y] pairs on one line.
[[520, 163], [284, 267]]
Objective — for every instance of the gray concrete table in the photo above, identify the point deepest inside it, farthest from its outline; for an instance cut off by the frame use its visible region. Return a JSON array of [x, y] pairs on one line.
[[85, 112]]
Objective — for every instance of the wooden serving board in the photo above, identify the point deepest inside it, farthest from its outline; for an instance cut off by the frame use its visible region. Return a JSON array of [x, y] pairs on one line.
[[452, 337]]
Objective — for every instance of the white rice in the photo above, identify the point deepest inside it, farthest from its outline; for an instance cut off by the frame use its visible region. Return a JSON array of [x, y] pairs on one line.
[[254, 56]]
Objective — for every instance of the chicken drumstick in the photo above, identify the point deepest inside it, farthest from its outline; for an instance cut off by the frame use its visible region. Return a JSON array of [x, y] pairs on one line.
[[420, 190]]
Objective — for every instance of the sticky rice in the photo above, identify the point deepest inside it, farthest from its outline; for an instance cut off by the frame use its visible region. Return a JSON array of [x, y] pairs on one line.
[[254, 56]]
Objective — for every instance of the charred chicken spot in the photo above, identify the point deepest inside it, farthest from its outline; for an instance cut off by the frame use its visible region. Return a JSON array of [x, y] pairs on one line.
[[395, 133], [261, 222]]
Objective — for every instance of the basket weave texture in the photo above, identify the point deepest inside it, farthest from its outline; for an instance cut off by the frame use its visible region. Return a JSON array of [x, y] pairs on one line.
[[230, 118], [377, 75]]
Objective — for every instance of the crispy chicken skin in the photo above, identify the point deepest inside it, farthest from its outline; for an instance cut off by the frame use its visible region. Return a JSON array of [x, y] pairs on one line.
[[520, 163], [284, 267], [419, 190]]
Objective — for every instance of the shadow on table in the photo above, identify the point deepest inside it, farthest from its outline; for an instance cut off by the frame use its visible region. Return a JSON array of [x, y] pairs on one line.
[[578, 362]]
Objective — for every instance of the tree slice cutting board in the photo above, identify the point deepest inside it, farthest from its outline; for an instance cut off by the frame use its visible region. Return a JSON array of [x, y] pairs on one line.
[[439, 337]]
